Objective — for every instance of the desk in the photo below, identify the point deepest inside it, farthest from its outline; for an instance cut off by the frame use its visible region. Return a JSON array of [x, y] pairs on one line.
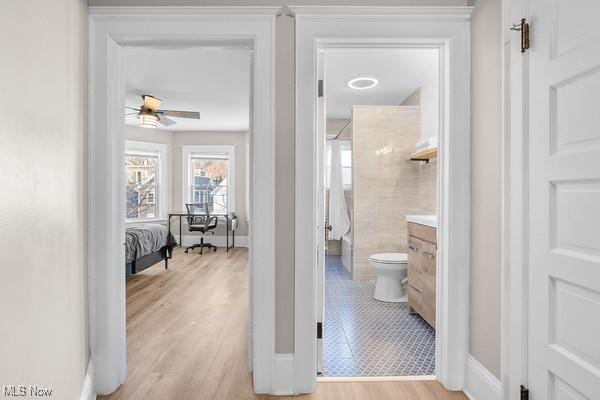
[[230, 220]]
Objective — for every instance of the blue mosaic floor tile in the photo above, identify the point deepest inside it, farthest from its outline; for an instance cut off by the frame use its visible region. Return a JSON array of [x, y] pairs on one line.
[[366, 337]]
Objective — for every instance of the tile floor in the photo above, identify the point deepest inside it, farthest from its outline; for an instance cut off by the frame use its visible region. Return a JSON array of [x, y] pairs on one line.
[[366, 337]]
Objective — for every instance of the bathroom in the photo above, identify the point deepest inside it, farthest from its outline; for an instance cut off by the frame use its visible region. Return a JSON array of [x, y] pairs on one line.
[[381, 111]]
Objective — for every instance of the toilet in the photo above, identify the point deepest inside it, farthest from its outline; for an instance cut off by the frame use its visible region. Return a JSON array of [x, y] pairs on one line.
[[391, 269]]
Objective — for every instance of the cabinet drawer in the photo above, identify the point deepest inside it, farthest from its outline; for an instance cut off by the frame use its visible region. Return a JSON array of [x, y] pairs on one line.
[[422, 232]]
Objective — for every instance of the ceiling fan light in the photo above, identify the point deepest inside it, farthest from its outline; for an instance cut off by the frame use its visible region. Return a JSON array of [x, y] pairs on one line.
[[148, 120]]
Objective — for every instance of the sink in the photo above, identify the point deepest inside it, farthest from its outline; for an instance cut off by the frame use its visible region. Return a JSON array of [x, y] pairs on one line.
[[428, 220]]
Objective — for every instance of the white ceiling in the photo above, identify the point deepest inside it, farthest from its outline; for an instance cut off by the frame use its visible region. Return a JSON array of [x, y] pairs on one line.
[[214, 81], [399, 71]]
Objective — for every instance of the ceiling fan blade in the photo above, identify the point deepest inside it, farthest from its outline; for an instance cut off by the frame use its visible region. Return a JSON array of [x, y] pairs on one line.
[[133, 113], [133, 108], [166, 121], [180, 114], [151, 102]]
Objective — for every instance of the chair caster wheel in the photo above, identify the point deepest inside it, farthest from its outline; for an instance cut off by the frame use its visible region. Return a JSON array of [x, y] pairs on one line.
[[214, 250], [186, 252]]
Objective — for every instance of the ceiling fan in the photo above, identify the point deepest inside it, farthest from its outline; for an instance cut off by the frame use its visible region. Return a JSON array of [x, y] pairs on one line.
[[150, 115]]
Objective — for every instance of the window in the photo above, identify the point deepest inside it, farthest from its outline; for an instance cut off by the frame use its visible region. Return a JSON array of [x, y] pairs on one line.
[[209, 174], [142, 185], [346, 165], [145, 197]]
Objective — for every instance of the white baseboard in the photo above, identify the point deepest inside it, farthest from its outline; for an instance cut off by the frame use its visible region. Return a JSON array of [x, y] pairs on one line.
[[283, 375], [217, 240], [87, 391], [480, 384]]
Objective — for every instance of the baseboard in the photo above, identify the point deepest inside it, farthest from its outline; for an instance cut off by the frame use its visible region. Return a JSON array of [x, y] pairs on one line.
[[283, 375], [217, 240], [87, 391], [480, 384]]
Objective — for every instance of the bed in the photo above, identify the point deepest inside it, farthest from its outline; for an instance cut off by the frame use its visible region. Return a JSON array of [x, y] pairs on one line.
[[145, 245]]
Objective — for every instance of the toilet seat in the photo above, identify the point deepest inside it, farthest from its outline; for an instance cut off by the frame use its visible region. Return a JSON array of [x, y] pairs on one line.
[[389, 258]]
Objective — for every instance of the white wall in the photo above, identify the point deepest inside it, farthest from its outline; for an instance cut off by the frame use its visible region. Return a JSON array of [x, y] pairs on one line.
[[43, 120], [430, 103], [485, 184], [428, 98]]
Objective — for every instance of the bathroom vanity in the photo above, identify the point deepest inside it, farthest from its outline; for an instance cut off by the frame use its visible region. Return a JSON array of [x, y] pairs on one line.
[[422, 255]]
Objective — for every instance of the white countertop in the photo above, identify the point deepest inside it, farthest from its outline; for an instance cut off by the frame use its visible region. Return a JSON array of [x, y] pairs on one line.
[[428, 220]]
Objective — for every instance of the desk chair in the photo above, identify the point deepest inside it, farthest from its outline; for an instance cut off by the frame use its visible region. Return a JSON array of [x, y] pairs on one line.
[[203, 223]]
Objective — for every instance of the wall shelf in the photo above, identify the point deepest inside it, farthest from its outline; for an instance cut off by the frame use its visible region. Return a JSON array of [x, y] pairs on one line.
[[424, 155]]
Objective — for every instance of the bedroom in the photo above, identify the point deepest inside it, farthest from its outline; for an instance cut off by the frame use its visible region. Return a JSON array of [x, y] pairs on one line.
[[186, 154]]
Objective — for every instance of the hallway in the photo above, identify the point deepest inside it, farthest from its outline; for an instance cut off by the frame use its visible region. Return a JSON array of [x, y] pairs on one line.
[[186, 338]]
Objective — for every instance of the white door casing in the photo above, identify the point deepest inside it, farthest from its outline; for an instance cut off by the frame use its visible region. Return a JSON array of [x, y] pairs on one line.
[[514, 200], [321, 204], [564, 203], [446, 28], [110, 30]]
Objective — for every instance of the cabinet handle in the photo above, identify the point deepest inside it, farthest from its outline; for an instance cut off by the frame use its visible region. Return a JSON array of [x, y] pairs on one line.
[[416, 288], [428, 254], [413, 248]]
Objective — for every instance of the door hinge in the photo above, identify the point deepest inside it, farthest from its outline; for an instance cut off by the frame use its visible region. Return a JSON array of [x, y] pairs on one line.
[[524, 393], [321, 87], [523, 27], [319, 330]]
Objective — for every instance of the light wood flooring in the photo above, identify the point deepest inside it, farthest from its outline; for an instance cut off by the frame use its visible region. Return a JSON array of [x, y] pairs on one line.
[[187, 338]]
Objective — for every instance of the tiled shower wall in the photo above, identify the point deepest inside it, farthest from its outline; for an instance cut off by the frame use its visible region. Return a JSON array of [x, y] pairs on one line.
[[387, 186]]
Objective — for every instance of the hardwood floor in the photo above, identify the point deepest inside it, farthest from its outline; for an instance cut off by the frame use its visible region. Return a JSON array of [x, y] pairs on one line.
[[187, 338]]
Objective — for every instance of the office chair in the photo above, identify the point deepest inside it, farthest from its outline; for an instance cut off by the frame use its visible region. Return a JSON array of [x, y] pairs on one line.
[[202, 222]]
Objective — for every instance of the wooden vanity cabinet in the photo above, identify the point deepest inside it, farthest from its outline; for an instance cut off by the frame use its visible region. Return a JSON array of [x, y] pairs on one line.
[[422, 254]]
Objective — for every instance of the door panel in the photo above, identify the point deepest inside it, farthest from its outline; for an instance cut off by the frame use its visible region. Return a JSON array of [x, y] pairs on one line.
[[572, 24], [574, 108], [564, 205]]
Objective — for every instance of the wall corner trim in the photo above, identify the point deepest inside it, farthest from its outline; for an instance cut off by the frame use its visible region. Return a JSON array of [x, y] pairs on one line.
[[87, 391], [480, 384], [283, 374]]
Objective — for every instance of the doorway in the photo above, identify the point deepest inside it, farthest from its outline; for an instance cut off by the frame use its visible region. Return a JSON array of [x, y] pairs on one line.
[[112, 31], [193, 157], [318, 31], [380, 112]]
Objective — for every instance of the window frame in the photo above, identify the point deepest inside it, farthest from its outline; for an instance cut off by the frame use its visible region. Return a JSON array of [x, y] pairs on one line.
[[159, 150], [198, 150], [346, 145]]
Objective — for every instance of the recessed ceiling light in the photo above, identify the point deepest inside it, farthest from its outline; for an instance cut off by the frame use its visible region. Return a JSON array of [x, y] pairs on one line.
[[363, 82]]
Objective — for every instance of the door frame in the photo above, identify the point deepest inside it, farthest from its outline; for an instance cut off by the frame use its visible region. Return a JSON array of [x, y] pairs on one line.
[[449, 29], [110, 30], [515, 199]]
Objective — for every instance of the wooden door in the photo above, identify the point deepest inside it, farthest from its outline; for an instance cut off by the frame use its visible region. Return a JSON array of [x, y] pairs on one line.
[[564, 200]]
